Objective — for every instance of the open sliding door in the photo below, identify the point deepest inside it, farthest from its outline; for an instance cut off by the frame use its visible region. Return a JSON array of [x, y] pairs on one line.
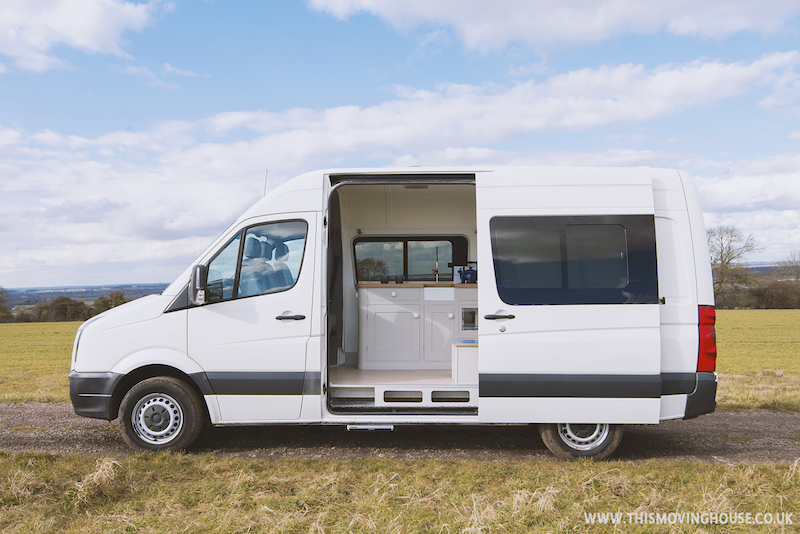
[[568, 296]]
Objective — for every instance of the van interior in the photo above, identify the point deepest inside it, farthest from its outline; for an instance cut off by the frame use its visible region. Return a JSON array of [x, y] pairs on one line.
[[402, 295]]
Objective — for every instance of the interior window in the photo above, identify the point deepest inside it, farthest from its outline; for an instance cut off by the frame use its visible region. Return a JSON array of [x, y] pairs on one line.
[[413, 258], [378, 258], [424, 256]]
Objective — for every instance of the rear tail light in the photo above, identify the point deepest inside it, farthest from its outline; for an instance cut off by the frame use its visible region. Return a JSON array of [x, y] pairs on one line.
[[707, 354]]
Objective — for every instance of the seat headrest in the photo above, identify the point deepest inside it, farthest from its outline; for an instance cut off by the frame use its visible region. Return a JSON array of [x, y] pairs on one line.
[[266, 250], [281, 250], [252, 248]]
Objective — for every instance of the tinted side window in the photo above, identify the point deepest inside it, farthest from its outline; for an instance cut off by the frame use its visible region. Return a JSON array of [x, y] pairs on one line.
[[222, 272], [269, 261], [575, 260], [272, 257], [597, 256]]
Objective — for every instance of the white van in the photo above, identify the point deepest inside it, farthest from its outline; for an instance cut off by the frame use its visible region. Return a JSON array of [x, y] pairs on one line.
[[578, 299]]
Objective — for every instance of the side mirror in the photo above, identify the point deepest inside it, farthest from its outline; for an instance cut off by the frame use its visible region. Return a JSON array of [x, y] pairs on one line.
[[198, 284]]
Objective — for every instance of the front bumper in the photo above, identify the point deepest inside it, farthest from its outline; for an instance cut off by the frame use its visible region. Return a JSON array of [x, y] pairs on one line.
[[91, 394]]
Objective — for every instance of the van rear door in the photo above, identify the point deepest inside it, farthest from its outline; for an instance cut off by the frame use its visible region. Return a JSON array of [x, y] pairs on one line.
[[568, 296]]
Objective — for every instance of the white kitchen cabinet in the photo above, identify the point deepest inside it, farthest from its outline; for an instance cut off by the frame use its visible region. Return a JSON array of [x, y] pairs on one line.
[[411, 327]]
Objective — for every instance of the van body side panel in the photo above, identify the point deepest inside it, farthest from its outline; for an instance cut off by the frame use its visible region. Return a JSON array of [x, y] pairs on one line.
[[574, 409], [679, 339], [704, 281], [683, 278], [612, 349]]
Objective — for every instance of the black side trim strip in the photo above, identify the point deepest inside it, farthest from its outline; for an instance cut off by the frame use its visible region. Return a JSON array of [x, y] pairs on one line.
[[678, 383], [312, 384], [563, 385], [268, 383], [201, 379]]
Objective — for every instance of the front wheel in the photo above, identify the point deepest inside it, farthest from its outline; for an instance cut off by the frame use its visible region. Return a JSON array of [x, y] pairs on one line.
[[570, 441], [161, 413]]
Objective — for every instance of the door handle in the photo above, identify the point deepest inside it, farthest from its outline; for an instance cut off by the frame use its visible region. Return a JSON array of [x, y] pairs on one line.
[[496, 317], [290, 317]]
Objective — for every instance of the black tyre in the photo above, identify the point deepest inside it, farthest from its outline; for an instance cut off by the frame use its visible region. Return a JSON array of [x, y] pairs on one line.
[[572, 441], [161, 413]]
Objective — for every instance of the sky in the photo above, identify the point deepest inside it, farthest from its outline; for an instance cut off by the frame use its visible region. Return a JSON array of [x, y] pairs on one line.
[[133, 133]]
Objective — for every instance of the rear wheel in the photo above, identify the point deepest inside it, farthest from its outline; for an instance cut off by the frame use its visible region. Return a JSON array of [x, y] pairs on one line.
[[161, 413], [570, 441]]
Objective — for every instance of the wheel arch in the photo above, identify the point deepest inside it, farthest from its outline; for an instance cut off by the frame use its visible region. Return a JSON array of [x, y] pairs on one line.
[[151, 371]]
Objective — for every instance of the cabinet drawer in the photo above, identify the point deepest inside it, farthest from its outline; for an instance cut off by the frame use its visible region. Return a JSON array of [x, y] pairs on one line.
[[394, 294]]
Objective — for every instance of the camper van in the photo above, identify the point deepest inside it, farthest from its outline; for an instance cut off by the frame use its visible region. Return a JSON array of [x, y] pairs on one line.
[[579, 300]]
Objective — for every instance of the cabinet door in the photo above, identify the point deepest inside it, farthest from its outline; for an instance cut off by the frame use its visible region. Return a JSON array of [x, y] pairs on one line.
[[440, 330], [394, 331]]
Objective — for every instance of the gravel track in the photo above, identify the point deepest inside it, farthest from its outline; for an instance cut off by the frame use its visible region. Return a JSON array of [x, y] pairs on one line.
[[723, 437]]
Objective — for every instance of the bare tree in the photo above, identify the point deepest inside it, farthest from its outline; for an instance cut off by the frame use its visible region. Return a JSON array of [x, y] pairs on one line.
[[117, 298], [370, 269], [790, 267], [728, 246]]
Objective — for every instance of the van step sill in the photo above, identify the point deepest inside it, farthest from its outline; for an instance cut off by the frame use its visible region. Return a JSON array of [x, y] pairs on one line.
[[359, 408]]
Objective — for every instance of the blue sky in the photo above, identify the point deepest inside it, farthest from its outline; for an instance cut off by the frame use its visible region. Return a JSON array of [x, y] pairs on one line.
[[132, 133]]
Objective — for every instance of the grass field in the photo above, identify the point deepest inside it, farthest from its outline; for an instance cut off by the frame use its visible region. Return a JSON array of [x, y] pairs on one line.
[[180, 493], [759, 360], [35, 360]]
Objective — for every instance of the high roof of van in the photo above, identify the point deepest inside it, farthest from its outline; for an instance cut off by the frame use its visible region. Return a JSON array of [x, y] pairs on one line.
[[306, 191]]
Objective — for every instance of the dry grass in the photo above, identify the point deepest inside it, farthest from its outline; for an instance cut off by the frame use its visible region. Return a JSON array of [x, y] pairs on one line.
[[176, 493]]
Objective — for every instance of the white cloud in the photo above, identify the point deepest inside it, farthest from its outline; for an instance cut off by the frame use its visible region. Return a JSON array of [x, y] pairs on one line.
[[9, 136], [478, 156], [771, 183], [545, 24], [30, 29], [169, 69], [165, 192], [152, 79], [465, 114]]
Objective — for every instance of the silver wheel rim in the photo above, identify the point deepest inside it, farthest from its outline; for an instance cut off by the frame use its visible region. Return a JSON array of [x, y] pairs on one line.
[[583, 437], [157, 419]]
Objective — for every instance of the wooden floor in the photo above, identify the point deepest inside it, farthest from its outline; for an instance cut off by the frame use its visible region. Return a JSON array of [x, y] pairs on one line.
[[351, 375]]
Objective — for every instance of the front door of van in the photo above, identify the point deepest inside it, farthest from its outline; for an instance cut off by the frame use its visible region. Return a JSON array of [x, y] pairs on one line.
[[251, 335], [568, 297]]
